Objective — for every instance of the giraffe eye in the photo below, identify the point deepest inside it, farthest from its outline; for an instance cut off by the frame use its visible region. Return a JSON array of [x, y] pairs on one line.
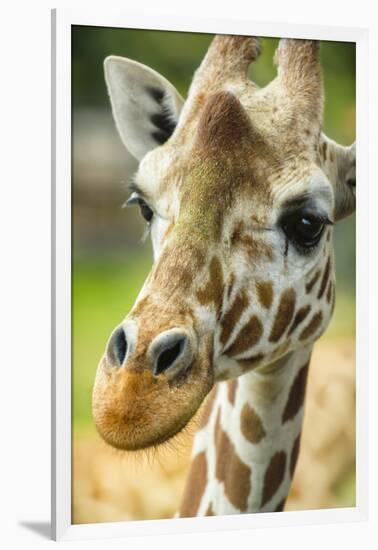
[[304, 229], [145, 210]]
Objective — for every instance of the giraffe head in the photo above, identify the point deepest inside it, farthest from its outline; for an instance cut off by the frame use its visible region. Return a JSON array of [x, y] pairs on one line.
[[240, 190]]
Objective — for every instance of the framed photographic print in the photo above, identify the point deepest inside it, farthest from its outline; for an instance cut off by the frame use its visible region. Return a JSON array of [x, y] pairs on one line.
[[205, 336]]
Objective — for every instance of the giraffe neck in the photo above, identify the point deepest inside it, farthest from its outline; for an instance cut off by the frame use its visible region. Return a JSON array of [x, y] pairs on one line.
[[245, 452]]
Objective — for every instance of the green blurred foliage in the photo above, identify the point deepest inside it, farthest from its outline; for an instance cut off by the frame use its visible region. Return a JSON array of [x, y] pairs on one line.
[[105, 287], [103, 291]]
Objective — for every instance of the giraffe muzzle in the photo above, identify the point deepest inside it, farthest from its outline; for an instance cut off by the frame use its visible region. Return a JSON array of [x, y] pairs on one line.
[[138, 377]]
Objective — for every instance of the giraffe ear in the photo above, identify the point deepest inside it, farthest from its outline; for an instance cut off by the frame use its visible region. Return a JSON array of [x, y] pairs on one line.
[[345, 195], [146, 107]]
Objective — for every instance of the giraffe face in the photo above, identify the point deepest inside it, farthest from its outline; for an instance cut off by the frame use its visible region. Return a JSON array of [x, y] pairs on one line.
[[240, 213], [237, 243]]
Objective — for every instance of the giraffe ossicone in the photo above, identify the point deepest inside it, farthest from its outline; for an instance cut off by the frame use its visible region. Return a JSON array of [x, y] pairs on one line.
[[240, 189]]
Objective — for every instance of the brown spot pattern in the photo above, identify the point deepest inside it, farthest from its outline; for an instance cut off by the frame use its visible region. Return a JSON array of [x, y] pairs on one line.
[[251, 362], [324, 151], [251, 425], [325, 277], [235, 475], [312, 327], [208, 407], [265, 293], [329, 292], [296, 396], [310, 285], [280, 506], [248, 337], [231, 390], [212, 292], [333, 299], [252, 246], [284, 315], [274, 476], [177, 264], [300, 316], [256, 248], [233, 315], [194, 488], [230, 285], [209, 511], [294, 455]]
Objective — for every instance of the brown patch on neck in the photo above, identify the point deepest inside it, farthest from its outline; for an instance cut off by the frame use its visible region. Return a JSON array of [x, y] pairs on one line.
[[223, 123], [280, 506], [284, 315], [296, 396], [233, 315], [294, 455], [265, 293], [235, 475], [230, 285], [251, 424], [208, 407], [194, 488], [231, 390], [274, 476], [209, 511], [248, 337]]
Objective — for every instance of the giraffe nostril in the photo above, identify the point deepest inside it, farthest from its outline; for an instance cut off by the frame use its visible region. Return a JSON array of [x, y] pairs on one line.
[[168, 354], [118, 346]]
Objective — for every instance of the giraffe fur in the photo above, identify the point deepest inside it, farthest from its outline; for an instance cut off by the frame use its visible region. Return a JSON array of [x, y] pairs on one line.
[[241, 189]]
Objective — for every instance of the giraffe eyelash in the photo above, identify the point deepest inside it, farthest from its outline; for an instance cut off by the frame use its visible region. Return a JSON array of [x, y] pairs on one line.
[[146, 233], [134, 188]]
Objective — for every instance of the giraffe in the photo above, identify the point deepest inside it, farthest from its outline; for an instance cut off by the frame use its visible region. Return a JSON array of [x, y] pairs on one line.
[[240, 189]]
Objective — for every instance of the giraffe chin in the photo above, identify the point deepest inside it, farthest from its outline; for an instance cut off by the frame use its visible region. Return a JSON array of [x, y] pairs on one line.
[[134, 410]]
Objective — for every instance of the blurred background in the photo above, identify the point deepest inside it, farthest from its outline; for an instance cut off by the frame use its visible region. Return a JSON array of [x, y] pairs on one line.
[[110, 264]]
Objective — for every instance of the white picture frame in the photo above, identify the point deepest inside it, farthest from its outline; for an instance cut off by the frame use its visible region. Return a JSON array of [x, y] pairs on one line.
[[62, 528]]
